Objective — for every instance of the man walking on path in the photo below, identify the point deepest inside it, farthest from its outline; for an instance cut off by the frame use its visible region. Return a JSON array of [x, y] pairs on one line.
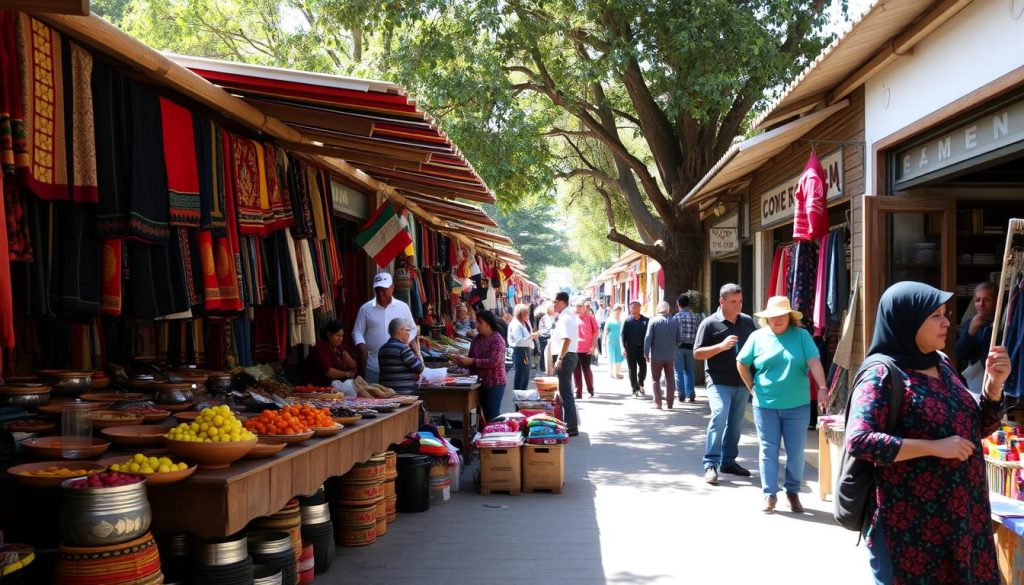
[[660, 345], [586, 348], [565, 340], [634, 330], [685, 366], [718, 339]]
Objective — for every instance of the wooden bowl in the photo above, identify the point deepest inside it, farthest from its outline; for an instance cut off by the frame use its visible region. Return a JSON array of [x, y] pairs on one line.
[[135, 435], [111, 396], [187, 416], [347, 420], [50, 448], [266, 448], [210, 455], [149, 418], [290, 439], [58, 407], [407, 400], [31, 425], [177, 407], [102, 419], [46, 481], [152, 478], [327, 431]]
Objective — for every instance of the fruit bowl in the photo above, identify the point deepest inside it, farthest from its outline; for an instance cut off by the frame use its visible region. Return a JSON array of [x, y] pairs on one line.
[[72, 468], [327, 431], [135, 435], [150, 415], [152, 478], [50, 448], [210, 455], [111, 396], [266, 448], [31, 425], [290, 439], [102, 419]]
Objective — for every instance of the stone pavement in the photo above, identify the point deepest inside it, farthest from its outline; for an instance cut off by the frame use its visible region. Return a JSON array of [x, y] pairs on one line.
[[634, 510]]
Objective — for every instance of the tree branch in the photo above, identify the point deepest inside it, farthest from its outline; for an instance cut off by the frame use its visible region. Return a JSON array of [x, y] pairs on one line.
[[614, 234]]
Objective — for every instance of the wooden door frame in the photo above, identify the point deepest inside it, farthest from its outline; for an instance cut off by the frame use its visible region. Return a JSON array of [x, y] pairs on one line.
[[877, 255]]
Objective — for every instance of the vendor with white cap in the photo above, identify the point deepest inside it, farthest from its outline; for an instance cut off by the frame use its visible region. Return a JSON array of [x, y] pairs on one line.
[[782, 353], [370, 331]]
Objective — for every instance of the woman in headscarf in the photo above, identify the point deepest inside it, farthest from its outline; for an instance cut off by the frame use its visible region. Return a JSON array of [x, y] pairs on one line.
[[932, 517], [782, 353]]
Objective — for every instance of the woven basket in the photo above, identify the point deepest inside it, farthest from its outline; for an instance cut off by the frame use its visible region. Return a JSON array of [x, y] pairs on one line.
[[1003, 477]]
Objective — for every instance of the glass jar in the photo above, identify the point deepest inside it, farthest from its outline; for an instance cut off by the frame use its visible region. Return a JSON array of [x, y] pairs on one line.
[[76, 430]]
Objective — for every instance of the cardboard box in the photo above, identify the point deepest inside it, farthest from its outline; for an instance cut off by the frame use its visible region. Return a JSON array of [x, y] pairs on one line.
[[500, 470], [543, 468]]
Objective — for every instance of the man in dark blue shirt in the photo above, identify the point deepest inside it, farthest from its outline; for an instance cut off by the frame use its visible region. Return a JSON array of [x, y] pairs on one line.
[[634, 329], [972, 345], [718, 340]]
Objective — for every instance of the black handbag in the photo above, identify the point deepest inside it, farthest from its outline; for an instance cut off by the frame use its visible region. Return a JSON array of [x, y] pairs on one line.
[[855, 486]]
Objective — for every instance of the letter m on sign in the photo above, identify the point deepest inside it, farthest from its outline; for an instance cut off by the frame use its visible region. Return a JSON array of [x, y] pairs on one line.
[[945, 147]]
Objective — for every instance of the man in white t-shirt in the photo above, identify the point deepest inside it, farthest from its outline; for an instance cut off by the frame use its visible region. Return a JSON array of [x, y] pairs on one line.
[[370, 331], [565, 339]]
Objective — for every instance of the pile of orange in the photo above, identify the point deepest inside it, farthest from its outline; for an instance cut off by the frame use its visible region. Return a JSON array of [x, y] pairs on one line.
[[290, 420]]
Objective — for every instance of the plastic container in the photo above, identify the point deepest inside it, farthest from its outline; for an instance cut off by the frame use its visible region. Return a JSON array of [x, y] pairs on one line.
[[413, 483], [76, 430]]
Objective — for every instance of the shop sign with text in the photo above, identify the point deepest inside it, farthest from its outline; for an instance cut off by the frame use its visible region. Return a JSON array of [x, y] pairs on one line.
[[723, 241], [778, 203], [1002, 127]]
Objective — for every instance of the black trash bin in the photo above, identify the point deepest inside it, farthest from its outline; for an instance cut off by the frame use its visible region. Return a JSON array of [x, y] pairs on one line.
[[413, 484]]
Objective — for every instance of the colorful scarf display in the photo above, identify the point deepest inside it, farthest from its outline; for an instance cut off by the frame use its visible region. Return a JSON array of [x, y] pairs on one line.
[[12, 114], [150, 214], [6, 301], [251, 191], [113, 118]]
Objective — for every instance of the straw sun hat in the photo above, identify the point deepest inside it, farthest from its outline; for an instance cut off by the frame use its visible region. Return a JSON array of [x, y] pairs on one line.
[[778, 306]]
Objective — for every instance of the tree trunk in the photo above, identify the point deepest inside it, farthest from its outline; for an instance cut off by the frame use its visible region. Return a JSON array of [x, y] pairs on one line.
[[683, 261]]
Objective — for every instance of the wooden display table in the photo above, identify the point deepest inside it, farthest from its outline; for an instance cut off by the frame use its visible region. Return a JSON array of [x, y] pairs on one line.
[[464, 399], [220, 502]]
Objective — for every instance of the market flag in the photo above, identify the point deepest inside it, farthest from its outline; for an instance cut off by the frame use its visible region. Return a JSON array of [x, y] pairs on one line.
[[384, 236]]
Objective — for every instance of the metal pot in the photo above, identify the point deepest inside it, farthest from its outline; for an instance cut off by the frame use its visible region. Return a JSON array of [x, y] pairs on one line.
[[25, 395], [222, 551], [67, 382], [172, 392], [268, 542], [318, 514], [219, 383], [266, 575], [104, 516]]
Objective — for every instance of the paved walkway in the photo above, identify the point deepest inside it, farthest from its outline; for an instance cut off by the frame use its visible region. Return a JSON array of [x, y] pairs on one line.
[[634, 510]]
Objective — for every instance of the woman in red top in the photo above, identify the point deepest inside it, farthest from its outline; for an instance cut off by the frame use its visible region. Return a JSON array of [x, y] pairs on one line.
[[487, 359], [589, 330], [328, 361]]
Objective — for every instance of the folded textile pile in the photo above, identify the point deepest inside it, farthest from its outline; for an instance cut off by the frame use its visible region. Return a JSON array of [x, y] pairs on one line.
[[427, 441], [504, 431], [543, 429]]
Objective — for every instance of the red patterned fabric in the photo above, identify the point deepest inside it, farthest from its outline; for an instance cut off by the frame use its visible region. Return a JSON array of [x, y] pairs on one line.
[[111, 285], [180, 160], [280, 203], [6, 301], [252, 198]]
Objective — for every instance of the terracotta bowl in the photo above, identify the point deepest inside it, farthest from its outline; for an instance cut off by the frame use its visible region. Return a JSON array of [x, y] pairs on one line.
[[47, 481], [99, 383], [348, 420], [177, 407], [210, 455], [31, 425], [135, 435], [153, 478], [50, 448], [149, 418], [111, 396], [266, 448], [102, 419], [290, 439], [327, 431], [187, 416]]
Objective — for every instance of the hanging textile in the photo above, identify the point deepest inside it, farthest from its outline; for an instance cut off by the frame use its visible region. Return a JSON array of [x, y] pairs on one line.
[[277, 188], [112, 283], [252, 197], [227, 257], [19, 241], [270, 333], [298, 191], [12, 113], [820, 285], [190, 264], [179, 146], [150, 217], [837, 295], [114, 156], [803, 269], [81, 254], [810, 214], [6, 300]]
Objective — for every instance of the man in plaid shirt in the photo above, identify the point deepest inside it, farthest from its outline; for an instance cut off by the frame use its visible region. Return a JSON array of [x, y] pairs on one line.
[[685, 366]]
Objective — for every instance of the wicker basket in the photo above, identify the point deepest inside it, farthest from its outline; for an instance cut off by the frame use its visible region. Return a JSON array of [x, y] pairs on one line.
[[1004, 477]]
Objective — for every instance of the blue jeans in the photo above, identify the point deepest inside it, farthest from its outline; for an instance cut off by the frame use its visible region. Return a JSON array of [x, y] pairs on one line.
[[878, 555], [775, 426], [521, 366], [685, 368], [728, 403], [569, 414], [490, 401]]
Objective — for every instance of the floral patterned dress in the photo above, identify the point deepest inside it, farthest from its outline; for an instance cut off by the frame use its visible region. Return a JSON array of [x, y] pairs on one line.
[[935, 512]]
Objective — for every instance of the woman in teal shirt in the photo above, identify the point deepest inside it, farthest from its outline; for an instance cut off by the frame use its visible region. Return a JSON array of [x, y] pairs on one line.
[[781, 353]]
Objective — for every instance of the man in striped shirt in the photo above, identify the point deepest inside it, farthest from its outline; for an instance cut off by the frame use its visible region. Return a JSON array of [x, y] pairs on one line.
[[400, 369]]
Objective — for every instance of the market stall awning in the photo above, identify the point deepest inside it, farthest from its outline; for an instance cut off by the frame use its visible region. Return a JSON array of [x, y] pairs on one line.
[[372, 124], [79, 7], [453, 210], [747, 156], [882, 32]]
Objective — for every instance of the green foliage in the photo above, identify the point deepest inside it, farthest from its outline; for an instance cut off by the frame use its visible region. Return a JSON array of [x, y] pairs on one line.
[[533, 229]]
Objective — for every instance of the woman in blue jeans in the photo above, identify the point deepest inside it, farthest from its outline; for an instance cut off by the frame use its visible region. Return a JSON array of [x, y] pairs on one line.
[[782, 353], [520, 338]]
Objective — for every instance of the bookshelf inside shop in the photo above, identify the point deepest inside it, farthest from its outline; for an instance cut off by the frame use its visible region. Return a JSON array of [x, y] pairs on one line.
[[980, 235]]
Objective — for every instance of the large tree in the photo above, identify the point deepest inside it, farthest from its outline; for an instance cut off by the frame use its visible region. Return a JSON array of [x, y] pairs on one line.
[[631, 101]]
